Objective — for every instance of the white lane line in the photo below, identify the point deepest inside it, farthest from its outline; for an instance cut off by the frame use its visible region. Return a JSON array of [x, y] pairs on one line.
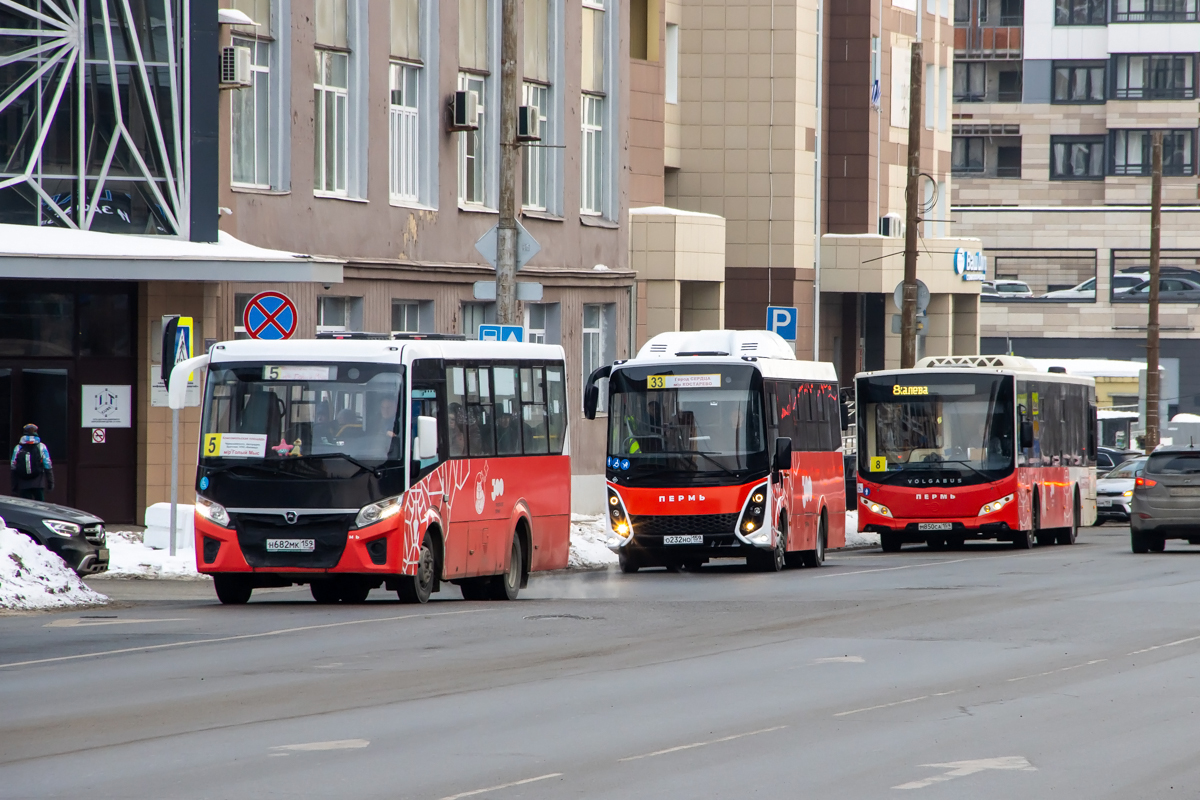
[[906, 566], [701, 744], [1168, 644], [280, 632], [839, 660], [897, 703], [502, 786], [1056, 671], [83, 622], [311, 747]]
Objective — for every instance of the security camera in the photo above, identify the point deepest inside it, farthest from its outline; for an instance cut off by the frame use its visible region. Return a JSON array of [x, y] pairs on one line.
[[326, 287]]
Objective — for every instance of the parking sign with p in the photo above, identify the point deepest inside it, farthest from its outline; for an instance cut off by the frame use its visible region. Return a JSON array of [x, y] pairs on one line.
[[782, 320]]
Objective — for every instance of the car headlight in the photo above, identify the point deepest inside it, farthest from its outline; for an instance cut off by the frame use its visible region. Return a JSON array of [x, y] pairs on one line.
[[877, 508], [755, 510], [377, 512], [996, 505], [618, 520], [62, 528], [213, 512], [1127, 493]]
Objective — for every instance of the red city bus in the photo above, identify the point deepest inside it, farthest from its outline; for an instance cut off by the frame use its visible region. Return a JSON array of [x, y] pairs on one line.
[[347, 465], [975, 447], [721, 445]]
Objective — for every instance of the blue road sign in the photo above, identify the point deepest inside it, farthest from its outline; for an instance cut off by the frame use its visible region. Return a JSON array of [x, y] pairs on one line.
[[501, 333], [782, 320]]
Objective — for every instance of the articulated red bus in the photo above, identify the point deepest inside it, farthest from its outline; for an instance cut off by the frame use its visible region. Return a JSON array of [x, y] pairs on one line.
[[721, 444], [975, 447], [350, 464]]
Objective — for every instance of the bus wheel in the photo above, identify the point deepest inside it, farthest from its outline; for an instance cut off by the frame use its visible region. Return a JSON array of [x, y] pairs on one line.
[[936, 543], [1069, 535], [233, 590], [1023, 540], [773, 560], [890, 542], [629, 562], [508, 585], [417, 588], [325, 592], [816, 556], [474, 588], [353, 590]]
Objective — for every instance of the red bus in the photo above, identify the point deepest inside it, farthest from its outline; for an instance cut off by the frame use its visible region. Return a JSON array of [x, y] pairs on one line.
[[351, 464], [721, 445], [975, 447]]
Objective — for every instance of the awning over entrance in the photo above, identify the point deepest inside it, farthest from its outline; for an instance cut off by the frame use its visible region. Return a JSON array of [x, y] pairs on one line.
[[28, 251]]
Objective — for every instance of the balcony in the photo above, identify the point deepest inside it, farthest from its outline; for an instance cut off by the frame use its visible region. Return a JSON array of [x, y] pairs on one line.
[[998, 43]]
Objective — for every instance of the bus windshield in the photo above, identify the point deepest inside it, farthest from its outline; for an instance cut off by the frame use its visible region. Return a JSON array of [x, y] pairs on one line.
[[958, 427], [703, 420], [303, 412]]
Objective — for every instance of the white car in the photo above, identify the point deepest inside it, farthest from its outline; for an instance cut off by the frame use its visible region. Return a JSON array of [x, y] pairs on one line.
[[1114, 492], [1002, 289], [1121, 282]]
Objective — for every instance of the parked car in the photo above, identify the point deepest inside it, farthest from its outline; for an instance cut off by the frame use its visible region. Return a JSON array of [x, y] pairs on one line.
[[1109, 457], [1121, 282], [1170, 290], [1114, 491], [75, 536], [1124, 281], [1005, 289], [1166, 499]]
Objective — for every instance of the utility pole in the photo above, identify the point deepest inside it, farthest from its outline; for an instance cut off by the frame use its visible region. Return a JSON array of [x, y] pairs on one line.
[[908, 310], [506, 233], [1152, 383]]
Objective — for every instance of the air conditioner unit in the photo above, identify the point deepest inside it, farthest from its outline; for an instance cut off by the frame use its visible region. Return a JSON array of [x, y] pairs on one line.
[[465, 111], [236, 66], [891, 225], [529, 124]]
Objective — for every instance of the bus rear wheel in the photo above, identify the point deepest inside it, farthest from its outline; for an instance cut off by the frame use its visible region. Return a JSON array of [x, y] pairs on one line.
[[1069, 535], [325, 592], [816, 556], [508, 585], [353, 590], [417, 588], [233, 590], [890, 542]]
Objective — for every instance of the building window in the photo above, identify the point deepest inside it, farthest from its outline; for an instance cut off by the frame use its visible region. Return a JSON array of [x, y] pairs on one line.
[[250, 137], [970, 81], [240, 301], [406, 316], [542, 324], [338, 313], [330, 111], [1012, 12], [1079, 12], [1154, 11], [1155, 77], [1131, 152], [592, 185], [1077, 158], [643, 29], [476, 314], [472, 161], [537, 159], [1009, 86], [672, 65], [1077, 82], [404, 132], [599, 344], [473, 35], [966, 155], [1008, 158]]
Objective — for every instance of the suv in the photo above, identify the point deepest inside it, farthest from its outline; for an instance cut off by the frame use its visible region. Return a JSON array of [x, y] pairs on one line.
[[1166, 500]]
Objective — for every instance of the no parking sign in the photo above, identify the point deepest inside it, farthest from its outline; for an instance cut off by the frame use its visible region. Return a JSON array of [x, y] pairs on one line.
[[270, 315]]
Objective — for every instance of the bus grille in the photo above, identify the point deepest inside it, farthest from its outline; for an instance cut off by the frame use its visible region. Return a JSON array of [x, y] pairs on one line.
[[666, 525], [329, 532]]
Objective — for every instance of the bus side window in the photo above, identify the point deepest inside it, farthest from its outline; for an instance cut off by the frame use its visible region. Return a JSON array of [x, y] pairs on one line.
[[428, 398], [456, 412], [480, 424], [785, 409], [533, 411], [507, 410], [556, 406]]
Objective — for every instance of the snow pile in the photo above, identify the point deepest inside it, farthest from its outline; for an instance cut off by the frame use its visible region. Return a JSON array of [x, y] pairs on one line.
[[856, 539], [129, 557], [588, 548], [31, 577]]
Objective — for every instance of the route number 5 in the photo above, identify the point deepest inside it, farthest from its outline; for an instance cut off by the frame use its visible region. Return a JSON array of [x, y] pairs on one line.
[[212, 444]]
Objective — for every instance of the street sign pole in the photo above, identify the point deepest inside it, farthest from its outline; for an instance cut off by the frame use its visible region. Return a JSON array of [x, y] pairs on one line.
[[506, 238]]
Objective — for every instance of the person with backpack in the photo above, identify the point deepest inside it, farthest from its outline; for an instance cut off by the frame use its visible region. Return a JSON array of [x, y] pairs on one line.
[[32, 470]]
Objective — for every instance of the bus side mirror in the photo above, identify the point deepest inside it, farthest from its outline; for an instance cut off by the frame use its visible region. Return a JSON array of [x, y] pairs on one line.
[[591, 399], [427, 438], [783, 455], [1026, 434]]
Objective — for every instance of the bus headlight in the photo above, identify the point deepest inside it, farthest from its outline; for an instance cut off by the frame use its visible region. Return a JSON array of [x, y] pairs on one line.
[[213, 512], [618, 520], [996, 505], [877, 508], [377, 512], [755, 510]]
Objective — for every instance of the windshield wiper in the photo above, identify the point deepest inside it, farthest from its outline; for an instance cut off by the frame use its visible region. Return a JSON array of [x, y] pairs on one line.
[[378, 473], [720, 466], [968, 466]]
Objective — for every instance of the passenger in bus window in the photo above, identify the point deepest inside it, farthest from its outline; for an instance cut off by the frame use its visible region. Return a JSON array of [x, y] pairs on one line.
[[457, 425], [382, 429], [508, 435]]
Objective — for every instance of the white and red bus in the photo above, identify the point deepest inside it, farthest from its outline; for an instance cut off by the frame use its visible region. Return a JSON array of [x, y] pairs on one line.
[[721, 445], [350, 464], [975, 447]]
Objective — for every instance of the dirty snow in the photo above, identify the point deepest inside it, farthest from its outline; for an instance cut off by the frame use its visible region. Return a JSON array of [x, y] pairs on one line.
[[588, 548], [33, 578], [129, 557], [856, 539]]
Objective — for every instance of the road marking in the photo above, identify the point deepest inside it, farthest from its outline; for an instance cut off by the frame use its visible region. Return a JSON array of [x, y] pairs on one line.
[[310, 747], [1161, 646], [280, 632], [960, 769], [87, 623], [702, 744], [897, 703], [906, 566], [474, 792], [839, 660], [1055, 671]]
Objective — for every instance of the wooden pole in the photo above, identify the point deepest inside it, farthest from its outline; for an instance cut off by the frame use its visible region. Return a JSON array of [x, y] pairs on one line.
[[1152, 382], [506, 233], [908, 309]]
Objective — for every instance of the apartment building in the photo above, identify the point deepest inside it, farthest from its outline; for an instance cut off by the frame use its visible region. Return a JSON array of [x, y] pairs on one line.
[[1054, 107]]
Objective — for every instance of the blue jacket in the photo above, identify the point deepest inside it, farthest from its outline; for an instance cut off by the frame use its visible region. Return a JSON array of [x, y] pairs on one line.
[[43, 481]]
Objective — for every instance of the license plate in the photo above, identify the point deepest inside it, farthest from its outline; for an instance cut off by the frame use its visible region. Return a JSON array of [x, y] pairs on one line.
[[291, 545], [935, 526], [689, 539], [1104, 502], [1185, 491], [102, 554]]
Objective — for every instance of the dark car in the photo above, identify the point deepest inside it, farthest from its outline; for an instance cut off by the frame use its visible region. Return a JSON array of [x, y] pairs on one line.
[[1109, 457], [1166, 499], [1170, 290], [76, 536]]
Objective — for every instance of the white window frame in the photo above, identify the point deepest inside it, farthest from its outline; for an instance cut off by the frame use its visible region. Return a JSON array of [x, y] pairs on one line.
[[348, 308], [672, 64], [404, 132], [598, 345], [260, 105], [412, 316], [536, 167], [340, 96], [535, 335], [484, 311], [468, 81], [593, 155], [240, 301]]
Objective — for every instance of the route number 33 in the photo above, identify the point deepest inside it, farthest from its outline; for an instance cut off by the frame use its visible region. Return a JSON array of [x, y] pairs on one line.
[[656, 382]]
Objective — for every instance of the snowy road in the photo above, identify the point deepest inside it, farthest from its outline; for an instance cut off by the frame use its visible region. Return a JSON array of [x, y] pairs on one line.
[[982, 673]]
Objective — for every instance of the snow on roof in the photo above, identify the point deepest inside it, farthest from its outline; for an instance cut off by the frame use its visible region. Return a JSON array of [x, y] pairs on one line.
[[1091, 367], [1186, 418], [1108, 413], [664, 211], [31, 251]]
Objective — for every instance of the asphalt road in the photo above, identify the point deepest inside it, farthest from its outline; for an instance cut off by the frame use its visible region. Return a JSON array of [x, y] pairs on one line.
[[1065, 672]]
